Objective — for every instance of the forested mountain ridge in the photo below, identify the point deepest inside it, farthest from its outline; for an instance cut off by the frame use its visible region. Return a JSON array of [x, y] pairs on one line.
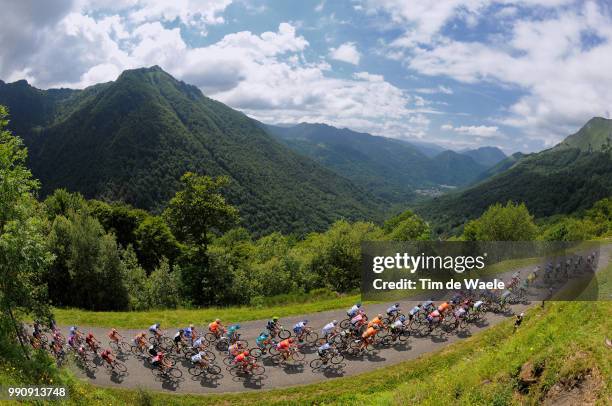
[[485, 156], [390, 168], [565, 179], [133, 138]]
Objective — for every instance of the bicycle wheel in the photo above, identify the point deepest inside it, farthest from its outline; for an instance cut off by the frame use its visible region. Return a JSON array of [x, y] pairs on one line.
[[134, 349], [344, 324], [213, 370], [120, 367], [174, 373], [337, 358], [273, 351], [298, 356], [311, 337], [256, 352], [284, 334], [209, 356], [210, 337], [404, 335], [222, 345], [227, 361], [316, 363], [195, 371], [258, 370]]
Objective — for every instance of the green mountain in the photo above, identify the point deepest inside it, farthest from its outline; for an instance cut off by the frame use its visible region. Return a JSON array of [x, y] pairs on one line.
[[485, 156], [390, 168], [427, 148], [502, 166], [133, 138], [564, 179]]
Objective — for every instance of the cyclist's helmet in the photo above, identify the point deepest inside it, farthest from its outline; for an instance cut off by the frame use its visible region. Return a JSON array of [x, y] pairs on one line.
[[275, 318], [217, 320], [157, 325], [380, 316], [359, 304], [397, 305], [181, 331], [191, 326], [246, 353], [237, 326], [305, 321], [290, 339], [334, 322], [402, 318], [90, 335]]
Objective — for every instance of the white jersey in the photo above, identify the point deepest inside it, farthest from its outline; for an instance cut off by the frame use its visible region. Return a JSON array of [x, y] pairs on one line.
[[328, 328], [197, 357], [198, 342], [397, 324]]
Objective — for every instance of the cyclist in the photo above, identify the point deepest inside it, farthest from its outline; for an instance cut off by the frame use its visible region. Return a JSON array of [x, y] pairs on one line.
[[178, 339], [232, 332], [369, 334], [434, 317], [155, 331], [91, 341], [216, 328], [284, 347], [190, 333], [199, 359], [352, 312], [397, 327], [140, 340], [329, 330], [243, 359], [393, 311], [107, 355], [263, 340], [74, 331], [199, 344], [377, 321], [235, 348], [273, 326], [37, 327], [159, 361], [358, 321], [114, 335], [299, 329], [414, 311], [324, 351], [429, 306]]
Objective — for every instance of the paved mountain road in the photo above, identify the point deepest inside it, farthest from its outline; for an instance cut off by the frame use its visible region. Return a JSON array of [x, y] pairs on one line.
[[139, 375]]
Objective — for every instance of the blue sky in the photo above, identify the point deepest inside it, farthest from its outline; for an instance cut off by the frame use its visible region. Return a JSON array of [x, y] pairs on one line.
[[519, 74]]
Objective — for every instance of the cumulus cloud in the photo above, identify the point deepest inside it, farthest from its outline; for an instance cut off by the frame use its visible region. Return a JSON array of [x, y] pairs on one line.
[[558, 59], [435, 90], [346, 52], [481, 131], [266, 75]]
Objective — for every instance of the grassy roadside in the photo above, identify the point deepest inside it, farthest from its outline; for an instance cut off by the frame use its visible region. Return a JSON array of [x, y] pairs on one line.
[[180, 317], [564, 342]]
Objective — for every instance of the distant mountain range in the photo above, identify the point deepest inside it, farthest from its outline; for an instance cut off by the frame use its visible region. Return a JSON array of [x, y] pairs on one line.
[[390, 168], [133, 138], [567, 178]]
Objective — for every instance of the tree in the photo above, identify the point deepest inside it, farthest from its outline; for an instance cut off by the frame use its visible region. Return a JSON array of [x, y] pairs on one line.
[[511, 222], [407, 226], [163, 287], [135, 280], [23, 252], [199, 209], [154, 240], [61, 201], [194, 214]]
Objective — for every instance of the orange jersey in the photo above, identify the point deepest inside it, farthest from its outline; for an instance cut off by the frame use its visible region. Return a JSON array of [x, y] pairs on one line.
[[240, 357], [214, 326], [370, 332], [376, 321], [284, 344], [443, 307]]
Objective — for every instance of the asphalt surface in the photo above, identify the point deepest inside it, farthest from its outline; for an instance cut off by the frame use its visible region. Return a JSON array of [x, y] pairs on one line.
[[139, 375]]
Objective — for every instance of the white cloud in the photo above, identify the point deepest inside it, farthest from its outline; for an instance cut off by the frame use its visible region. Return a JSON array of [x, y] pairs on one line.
[[434, 90], [320, 6], [346, 52], [481, 131], [559, 60]]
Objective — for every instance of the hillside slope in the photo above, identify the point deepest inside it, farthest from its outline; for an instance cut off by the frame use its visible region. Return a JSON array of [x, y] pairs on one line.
[[485, 156], [132, 139], [390, 168], [564, 179]]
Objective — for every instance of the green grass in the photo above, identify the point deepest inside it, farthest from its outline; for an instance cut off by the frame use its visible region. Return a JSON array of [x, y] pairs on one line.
[[180, 317]]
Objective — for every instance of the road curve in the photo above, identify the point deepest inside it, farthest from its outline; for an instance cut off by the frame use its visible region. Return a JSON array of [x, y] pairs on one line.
[[140, 376]]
